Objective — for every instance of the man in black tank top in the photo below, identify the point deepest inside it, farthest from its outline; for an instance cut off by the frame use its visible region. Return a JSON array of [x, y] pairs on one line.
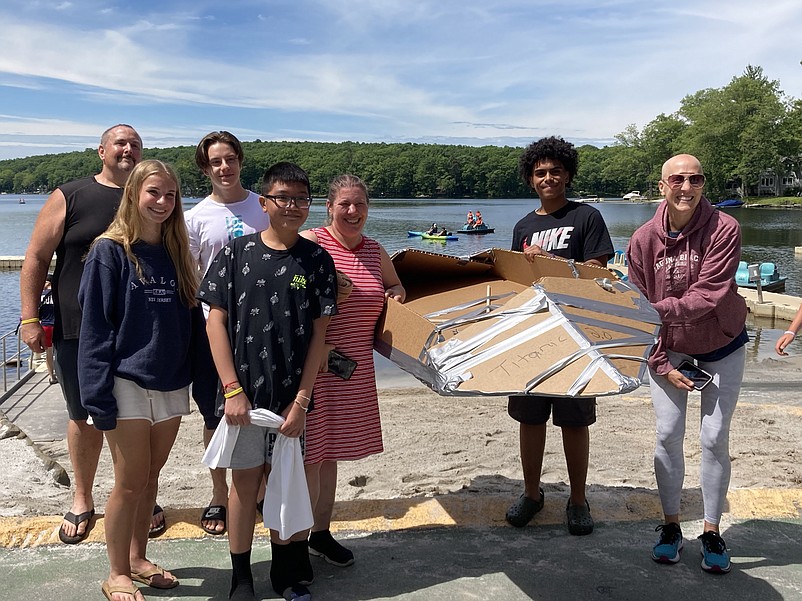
[[71, 218]]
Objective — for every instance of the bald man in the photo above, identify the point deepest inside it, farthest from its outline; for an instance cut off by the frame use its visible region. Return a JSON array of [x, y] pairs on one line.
[[684, 260]]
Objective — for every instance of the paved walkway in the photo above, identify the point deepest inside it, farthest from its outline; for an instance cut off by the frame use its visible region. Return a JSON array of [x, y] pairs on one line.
[[448, 547]]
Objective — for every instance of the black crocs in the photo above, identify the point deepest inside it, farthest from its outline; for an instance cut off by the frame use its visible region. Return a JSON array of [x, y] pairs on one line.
[[580, 521], [524, 509]]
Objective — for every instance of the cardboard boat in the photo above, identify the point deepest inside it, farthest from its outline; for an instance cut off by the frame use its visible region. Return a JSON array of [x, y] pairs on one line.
[[495, 324]]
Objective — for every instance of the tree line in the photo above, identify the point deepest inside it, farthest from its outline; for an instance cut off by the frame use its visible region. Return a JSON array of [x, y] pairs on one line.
[[739, 132]]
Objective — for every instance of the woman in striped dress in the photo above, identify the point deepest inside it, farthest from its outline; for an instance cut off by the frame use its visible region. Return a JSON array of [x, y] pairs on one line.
[[344, 424]]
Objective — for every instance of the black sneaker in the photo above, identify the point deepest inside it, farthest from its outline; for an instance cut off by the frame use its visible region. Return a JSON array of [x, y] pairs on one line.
[[322, 544]]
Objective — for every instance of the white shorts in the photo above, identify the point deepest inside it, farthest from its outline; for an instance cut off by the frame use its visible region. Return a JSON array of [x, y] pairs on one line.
[[135, 402]]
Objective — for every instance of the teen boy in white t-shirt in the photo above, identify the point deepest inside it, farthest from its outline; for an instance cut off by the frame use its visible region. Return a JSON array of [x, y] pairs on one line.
[[229, 212]]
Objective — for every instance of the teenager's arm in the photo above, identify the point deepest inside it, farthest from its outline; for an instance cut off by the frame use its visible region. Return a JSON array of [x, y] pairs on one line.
[[597, 261], [295, 414], [236, 407]]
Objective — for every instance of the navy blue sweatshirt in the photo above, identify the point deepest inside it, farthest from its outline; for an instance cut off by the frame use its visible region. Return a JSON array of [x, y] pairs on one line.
[[138, 329]]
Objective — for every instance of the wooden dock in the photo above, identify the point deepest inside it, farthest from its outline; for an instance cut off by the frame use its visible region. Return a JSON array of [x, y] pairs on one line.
[[774, 305], [14, 262]]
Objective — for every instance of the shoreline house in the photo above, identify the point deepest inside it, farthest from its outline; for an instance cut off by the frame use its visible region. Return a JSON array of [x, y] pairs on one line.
[[787, 183]]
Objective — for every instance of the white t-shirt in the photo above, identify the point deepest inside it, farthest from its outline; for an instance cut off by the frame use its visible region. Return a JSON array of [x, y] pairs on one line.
[[213, 224]]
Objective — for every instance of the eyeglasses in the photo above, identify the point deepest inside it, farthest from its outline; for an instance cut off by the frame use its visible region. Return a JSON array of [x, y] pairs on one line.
[[300, 202], [675, 181]]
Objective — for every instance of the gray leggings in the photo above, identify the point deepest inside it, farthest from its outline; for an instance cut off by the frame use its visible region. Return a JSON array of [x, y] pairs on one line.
[[718, 405]]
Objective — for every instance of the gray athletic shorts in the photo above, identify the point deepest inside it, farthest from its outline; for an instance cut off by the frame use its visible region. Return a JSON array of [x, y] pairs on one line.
[[254, 447], [566, 412]]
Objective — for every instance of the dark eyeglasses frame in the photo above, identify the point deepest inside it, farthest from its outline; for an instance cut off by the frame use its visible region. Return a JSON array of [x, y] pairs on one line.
[[283, 202], [676, 185]]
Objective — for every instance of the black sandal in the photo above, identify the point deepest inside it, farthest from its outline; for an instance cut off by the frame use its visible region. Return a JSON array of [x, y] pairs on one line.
[[524, 509]]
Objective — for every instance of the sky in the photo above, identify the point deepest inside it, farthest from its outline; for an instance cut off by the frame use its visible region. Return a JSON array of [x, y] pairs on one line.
[[499, 72]]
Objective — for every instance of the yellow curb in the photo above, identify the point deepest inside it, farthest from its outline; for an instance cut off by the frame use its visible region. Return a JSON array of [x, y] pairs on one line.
[[469, 511]]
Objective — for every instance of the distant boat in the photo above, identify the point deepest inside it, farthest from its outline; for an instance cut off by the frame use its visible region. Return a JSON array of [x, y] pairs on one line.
[[730, 203], [770, 278], [634, 196], [476, 230], [426, 236], [22, 201]]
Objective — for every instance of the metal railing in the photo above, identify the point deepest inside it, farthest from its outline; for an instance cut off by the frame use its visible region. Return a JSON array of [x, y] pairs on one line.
[[16, 363]]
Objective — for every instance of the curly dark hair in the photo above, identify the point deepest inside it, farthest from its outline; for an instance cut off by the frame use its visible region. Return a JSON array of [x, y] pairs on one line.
[[553, 148]]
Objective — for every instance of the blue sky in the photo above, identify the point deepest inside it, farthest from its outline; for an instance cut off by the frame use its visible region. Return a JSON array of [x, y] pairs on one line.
[[467, 72]]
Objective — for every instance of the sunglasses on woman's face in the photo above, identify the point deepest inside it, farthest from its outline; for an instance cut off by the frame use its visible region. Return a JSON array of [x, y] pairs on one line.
[[697, 180]]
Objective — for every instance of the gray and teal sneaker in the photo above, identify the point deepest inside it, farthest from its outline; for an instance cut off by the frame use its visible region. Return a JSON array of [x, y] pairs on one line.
[[715, 558], [668, 546]]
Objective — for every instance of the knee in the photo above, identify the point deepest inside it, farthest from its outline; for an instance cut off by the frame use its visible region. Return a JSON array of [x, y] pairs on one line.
[[716, 441]]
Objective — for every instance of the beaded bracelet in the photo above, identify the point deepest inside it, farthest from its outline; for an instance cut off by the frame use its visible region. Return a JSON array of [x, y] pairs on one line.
[[31, 320], [233, 393]]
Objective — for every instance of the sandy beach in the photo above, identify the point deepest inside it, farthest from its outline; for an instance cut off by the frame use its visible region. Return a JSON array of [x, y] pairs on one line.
[[468, 445]]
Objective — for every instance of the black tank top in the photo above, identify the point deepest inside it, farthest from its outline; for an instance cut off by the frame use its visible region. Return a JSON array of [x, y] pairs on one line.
[[90, 209]]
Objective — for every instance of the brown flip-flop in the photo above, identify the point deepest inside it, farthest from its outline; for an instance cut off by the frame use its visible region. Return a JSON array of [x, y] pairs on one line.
[[109, 590], [70, 517], [147, 577]]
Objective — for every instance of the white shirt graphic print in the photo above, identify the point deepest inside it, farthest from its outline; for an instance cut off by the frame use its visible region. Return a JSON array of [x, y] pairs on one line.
[[553, 239]]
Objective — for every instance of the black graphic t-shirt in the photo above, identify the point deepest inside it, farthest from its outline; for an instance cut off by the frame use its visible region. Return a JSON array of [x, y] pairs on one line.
[[576, 231], [271, 297]]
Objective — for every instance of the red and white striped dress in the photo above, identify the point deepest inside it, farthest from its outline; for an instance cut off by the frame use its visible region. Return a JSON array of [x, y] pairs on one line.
[[345, 423]]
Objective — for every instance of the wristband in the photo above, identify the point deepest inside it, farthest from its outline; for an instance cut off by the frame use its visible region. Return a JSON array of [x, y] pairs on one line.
[[791, 332], [31, 320], [230, 386], [305, 409], [233, 393]]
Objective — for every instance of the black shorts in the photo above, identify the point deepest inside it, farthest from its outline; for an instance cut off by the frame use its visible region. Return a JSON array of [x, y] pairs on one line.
[[567, 411], [65, 359]]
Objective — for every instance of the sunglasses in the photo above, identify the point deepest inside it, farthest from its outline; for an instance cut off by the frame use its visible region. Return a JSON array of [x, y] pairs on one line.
[[675, 182]]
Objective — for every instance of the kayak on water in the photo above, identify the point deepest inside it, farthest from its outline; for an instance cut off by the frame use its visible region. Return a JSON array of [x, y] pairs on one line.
[[426, 236]]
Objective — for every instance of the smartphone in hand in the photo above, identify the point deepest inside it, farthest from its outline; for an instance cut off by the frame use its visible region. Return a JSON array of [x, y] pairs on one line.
[[695, 374]]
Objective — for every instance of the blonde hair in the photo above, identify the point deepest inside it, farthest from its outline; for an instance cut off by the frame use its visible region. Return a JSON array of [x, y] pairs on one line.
[[126, 229]]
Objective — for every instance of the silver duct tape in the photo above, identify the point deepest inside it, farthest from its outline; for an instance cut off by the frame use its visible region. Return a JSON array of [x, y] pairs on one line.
[[456, 352], [639, 312], [449, 365], [633, 335], [466, 305], [453, 360]]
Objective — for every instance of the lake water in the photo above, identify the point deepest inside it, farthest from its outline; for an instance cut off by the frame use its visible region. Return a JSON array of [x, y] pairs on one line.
[[768, 235]]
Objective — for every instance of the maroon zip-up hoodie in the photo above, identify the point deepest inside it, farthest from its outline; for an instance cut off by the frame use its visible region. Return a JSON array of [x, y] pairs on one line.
[[690, 281]]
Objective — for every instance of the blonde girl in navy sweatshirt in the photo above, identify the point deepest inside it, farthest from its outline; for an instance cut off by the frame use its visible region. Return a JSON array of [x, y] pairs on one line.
[[138, 335]]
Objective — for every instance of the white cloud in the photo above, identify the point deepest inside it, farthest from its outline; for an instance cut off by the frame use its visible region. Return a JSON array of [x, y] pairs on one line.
[[391, 69]]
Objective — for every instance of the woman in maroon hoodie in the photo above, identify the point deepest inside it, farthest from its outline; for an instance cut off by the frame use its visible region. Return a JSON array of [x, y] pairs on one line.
[[684, 260]]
